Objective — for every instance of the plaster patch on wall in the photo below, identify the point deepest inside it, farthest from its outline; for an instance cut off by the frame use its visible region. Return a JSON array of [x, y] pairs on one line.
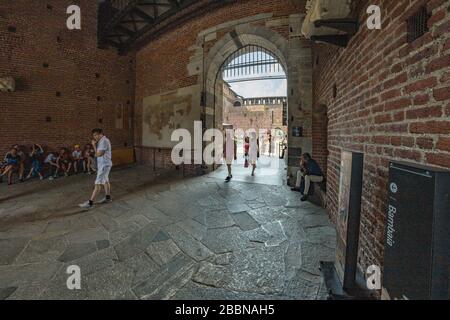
[[167, 112]]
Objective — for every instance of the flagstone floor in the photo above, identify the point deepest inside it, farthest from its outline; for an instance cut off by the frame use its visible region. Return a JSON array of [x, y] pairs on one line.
[[163, 237]]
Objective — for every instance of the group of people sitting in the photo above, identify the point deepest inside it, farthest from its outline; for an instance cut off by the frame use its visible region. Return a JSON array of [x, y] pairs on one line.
[[35, 162]]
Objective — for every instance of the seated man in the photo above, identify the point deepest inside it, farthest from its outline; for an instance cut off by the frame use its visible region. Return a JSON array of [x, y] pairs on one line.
[[310, 171]]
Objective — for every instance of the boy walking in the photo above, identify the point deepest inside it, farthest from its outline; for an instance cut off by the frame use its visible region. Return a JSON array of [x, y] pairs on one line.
[[102, 149]]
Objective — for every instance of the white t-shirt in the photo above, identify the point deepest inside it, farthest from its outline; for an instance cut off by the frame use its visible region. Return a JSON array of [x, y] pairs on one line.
[[106, 160], [50, 158], [76, 154]]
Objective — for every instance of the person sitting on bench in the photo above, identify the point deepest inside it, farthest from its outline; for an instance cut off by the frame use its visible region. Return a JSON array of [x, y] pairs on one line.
[[310, 171]]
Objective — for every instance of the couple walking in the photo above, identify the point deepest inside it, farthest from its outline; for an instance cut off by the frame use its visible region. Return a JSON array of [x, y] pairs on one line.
[[250, 150]]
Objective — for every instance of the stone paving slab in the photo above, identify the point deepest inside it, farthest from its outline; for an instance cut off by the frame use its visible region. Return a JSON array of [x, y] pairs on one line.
[[163, 237], [11, 248]]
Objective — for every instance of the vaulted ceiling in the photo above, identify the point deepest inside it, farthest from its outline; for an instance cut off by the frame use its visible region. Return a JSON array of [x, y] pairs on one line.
[[125, 24]]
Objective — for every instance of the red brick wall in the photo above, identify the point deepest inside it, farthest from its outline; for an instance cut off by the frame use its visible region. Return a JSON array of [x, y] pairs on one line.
[[255, 117], [72, 66], [162, 64], [392, 103], [320, 136]]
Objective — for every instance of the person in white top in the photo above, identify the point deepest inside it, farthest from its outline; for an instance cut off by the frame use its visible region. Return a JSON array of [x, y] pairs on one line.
[[102, 149], [253, 151]]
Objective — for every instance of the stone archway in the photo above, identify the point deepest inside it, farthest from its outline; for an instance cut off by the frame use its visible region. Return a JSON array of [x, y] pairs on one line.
[[294, 55], [233, 41]]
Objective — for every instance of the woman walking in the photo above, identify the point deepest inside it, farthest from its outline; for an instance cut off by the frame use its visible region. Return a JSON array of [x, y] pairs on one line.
[[253, 152]]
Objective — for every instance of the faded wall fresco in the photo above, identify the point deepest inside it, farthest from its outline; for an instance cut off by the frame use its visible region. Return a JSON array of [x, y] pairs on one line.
[[163, 113]]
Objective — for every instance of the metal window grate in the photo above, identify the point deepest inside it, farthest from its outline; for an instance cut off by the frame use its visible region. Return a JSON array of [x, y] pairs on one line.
[[417, 24], [252, 63]]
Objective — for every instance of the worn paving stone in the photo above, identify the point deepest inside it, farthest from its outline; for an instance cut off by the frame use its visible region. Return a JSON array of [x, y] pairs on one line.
[[197, 292], [276, 232], [224, 259], [77, 250], [42, 250], [137, 243], [29, 279], [216, 219], [116, 209], [163, 252], [194, 228], [56, 288], [95, 262], [26, 230], [210, 274], [322, 235], [87, 235], [301, 289], [156, 217], [234, 207], [245, 221], [258, 271], [258, 235], [268, 214], [161, 236], [6, 292], [314, 220], [188, 244], [122, 232], [115, 283], [170, 287], [11, 248], [312, 254], [180, 264], [226, 240], [178, 239]]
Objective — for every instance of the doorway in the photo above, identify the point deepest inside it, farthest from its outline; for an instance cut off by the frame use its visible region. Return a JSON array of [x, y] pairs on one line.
[[251, 96]]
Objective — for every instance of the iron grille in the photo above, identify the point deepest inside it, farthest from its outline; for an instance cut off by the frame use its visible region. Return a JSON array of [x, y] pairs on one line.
[[252, 63], [418, 24]]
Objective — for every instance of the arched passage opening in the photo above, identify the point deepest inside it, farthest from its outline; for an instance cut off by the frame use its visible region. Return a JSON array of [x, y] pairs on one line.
[[250, 94], [295, 59]]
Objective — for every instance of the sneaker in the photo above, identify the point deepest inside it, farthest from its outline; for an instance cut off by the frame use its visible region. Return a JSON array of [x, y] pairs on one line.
[[105, 201], [304, 198], [51, 178], [86, 206], [228, 179]]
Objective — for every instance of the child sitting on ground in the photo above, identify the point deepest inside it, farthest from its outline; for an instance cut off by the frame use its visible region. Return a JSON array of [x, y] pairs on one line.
[[64, 162], [36, 163], [77, 158], [12, 162], [52, 163]]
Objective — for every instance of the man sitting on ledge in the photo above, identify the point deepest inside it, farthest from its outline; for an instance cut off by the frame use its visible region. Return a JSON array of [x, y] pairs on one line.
[[310, 171]]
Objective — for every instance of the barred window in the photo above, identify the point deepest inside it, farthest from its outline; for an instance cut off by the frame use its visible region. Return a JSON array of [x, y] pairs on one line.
[[418, 24]]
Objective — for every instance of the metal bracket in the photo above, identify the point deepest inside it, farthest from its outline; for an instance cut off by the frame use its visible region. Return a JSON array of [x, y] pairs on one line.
[[337, 40], [350, 26]]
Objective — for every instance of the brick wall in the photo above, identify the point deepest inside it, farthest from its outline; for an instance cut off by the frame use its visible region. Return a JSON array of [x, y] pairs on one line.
[[392, 102], [162, 65], [255, 117], [79, 86]]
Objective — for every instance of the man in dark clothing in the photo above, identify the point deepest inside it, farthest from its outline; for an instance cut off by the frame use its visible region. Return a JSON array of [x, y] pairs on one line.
[[310, 171]]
